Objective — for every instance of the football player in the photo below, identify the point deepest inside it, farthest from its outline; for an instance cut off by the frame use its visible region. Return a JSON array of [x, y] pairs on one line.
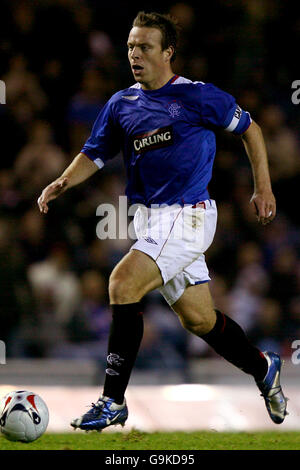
[[165, 126]]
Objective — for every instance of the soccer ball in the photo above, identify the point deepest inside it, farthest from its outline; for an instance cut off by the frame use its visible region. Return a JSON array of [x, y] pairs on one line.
[[24, 416]]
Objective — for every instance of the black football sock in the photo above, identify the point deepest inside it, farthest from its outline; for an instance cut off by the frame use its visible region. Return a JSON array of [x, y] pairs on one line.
[[125, 337], [229, 340]]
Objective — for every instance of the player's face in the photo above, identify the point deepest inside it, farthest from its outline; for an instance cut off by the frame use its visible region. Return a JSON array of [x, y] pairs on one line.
[[149, 63]]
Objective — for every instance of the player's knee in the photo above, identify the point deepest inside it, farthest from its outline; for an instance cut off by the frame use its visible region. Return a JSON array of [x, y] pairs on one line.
[[122, 290], [199, 328]]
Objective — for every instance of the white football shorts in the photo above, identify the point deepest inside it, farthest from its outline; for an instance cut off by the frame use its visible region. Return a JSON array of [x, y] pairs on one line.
[[176, 238]]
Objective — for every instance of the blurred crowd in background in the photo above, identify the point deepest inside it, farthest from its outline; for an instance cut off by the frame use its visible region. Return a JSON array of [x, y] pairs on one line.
[[61, 60]]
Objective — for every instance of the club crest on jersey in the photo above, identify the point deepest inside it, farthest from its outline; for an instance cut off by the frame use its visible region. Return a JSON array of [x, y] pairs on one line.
[[155, 139], [174, 109]]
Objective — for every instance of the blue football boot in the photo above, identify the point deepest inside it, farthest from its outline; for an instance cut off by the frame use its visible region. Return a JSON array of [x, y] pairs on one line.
[[271, 390], [104, 413]]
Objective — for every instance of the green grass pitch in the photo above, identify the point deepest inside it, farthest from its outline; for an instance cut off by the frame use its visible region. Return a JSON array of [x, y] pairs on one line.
[[136, 440]]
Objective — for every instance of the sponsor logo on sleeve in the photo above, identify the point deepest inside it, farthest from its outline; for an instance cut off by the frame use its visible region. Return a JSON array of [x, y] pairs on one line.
[[238, 112]]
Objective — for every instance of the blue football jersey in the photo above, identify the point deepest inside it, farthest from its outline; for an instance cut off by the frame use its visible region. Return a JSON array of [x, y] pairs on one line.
[[167, 137]]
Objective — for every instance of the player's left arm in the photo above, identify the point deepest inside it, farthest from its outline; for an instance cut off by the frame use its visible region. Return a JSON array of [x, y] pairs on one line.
[[263, 198], [219, 109]]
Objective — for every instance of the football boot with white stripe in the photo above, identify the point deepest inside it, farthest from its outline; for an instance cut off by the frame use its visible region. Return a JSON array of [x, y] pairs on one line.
[[271, 390], [104, 413]]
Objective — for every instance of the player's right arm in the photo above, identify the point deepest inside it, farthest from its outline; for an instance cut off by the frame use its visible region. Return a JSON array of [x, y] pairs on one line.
[[102, 145], [78, 171]]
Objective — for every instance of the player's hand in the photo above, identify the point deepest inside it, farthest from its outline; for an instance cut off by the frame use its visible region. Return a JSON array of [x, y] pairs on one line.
[[51, 192], [265, 206]]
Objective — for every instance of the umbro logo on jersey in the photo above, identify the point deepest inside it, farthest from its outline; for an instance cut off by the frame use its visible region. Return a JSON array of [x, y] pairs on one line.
[[131, 97], [155, 139]]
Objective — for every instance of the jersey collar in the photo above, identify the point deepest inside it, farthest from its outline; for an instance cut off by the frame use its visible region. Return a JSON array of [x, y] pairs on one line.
[[162, 89]]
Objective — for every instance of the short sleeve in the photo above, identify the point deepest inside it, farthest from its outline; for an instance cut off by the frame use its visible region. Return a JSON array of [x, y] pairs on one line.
[[104, 143], [219, 109]]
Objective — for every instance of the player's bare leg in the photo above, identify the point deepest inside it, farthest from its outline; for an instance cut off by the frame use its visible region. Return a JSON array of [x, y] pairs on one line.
[[195, 309], [134, 276], [225, 336]]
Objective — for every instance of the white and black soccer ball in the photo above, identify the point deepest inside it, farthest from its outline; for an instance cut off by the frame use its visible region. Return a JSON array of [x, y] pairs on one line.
[[24, 416]]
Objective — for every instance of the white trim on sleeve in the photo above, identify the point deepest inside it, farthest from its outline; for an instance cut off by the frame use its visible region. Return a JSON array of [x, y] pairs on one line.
[[233, 124], [249, 116], [235, 120], [99, 163]]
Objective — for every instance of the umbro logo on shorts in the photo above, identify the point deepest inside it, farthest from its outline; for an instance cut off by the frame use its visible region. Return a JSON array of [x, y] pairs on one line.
[[155, 139], [150, 240]]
